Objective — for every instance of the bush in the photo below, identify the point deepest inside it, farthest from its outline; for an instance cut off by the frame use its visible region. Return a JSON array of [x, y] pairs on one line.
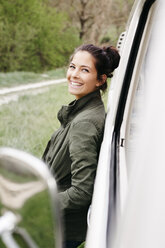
[[34, 36]]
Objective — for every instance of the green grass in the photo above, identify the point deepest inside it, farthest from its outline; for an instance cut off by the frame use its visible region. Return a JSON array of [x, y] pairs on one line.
[[12, 79], [29, 123]]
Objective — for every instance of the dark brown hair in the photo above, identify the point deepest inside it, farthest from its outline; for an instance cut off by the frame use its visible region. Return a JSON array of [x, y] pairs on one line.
[[107, 60]]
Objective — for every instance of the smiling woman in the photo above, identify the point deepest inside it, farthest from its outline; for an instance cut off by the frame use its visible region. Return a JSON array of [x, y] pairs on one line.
[[82, 75], [73, 150]]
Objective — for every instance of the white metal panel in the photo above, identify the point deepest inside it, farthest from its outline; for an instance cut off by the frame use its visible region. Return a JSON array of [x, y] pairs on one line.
[[132, 113], [97, 232], [143, 222]]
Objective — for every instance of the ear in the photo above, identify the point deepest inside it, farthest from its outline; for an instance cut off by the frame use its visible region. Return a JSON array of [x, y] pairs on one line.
[[102, 80]]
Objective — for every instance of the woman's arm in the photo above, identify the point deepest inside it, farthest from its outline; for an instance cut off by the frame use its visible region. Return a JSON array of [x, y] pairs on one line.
[[84, 144]]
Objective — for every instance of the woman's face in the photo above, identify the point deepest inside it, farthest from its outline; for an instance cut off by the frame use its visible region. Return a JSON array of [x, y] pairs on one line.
[[82, 75]]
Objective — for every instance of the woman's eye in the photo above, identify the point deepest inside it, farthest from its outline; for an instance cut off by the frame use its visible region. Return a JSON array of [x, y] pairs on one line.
[[72, 67], [85, 70]]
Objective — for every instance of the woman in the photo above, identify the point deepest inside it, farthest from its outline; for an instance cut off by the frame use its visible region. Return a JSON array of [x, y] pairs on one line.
[[73, 150]]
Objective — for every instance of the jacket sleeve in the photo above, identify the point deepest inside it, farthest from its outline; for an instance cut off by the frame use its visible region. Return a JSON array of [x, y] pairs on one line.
[[84, 144]]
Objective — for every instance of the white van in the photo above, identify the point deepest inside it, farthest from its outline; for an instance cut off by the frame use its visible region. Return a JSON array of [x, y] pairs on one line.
[[128, 207]]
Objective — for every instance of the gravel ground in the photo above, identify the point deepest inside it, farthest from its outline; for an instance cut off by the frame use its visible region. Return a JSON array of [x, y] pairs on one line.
[[12, 94]]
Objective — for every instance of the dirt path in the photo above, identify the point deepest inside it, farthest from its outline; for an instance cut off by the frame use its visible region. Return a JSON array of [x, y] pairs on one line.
[[12, 94]]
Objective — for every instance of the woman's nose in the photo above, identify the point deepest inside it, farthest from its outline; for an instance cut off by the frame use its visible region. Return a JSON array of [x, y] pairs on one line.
[[75, 73]]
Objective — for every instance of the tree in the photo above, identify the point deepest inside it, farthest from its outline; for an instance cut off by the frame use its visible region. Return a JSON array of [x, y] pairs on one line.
[[119, 13], [89, 17], [97, 21], [34, 36]]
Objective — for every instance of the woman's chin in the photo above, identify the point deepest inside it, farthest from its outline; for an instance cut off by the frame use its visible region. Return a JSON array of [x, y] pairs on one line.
[[73, 91]]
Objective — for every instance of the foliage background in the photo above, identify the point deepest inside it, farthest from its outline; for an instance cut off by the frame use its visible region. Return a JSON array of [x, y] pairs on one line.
[[40, 35], [34, 36]]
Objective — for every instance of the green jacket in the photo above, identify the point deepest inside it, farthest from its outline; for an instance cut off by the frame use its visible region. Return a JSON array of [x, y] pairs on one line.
[[72, 155]]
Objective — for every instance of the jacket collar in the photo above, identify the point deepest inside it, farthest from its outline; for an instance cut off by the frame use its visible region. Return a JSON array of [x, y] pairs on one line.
[[67, 113]]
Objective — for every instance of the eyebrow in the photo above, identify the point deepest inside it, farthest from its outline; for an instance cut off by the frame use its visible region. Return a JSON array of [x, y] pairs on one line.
[[82, 65]]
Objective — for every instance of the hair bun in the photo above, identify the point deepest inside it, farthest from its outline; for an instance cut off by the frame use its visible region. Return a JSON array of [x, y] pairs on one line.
[[113, 55]]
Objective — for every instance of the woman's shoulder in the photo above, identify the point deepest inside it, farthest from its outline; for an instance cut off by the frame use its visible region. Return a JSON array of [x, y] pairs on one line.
[[94, 115]]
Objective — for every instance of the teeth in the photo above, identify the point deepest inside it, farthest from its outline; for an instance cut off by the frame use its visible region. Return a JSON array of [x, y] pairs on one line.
[[75, 84]]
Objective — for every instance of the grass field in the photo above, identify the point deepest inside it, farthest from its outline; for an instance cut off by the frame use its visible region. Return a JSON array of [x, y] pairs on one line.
[[28, 123], [12, 79]]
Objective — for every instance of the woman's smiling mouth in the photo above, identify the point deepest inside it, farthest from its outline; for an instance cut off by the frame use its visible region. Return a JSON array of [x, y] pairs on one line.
[[75, 84]]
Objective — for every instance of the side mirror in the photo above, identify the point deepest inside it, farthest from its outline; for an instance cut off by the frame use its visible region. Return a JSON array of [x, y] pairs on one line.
[[29, 212]]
